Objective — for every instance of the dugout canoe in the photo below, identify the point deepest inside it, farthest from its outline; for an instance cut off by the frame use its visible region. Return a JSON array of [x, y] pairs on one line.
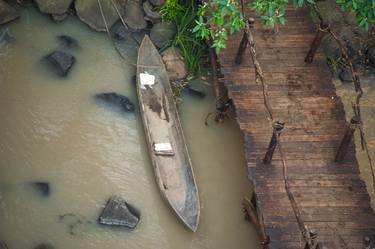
[[165, 138]]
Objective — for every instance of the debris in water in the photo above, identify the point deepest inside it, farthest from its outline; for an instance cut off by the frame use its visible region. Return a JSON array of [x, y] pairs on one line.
[[44, 246], [67, 41], [118, 212]]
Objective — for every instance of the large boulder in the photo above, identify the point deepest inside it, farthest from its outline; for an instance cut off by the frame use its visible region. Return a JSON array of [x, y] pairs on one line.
[[57, 7], [151, 14], [118, 212], [162, 34], [89, 12], [174, 63], [157, 2], [7, 12], [60, 62], [134, 16]]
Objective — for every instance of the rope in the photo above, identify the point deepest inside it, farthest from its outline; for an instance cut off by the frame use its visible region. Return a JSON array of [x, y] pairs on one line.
[[357, 88]]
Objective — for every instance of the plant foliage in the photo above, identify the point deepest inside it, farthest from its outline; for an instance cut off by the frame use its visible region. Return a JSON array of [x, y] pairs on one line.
[[170, 10], [216, 20]]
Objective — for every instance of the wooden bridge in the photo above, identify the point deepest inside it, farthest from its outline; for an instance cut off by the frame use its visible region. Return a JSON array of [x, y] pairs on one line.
[[331, 197]]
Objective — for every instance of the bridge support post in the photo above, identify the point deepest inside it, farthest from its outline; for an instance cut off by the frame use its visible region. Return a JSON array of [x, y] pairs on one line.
[[241, 49], [278, 126], [345, 142], [321, 32]]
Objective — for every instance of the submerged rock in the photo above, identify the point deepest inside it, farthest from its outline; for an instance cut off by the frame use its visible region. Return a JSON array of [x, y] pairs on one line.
[[67, 41], [174, 63], [371, 56], [60, 62], [76, 224], [151, 15], [162, 34], [89, 12], [57, 7], [7, 13], [117, 100], [44, 246], [134, 16], [42, 188], [118, 212], [194, 92], [345, 76], [5, 37]]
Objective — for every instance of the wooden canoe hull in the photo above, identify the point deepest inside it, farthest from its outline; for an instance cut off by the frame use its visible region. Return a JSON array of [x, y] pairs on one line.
[[174, 173]]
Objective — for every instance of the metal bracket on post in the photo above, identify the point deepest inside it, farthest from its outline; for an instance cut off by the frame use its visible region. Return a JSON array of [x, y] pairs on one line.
[[344, 145], [321, 32], [243, 44], [278, 126]]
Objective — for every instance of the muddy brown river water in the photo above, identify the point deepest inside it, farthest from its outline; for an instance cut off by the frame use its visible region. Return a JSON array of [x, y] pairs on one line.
[[53, 130]]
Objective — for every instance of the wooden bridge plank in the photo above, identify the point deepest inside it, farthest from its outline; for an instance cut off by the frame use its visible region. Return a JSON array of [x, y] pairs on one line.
[[331, 196]]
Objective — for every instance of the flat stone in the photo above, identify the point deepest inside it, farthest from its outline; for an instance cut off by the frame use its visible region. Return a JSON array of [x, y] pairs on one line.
[[89, 12], [174, 63], [134, 15], [44, 246], [118, 212], [7, 13], [60, 62], [162, 34], [151, 15], [57, 7], [42, 188]]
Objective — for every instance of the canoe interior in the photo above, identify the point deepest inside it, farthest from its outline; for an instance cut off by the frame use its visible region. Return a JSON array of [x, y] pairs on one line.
[[161, 123]]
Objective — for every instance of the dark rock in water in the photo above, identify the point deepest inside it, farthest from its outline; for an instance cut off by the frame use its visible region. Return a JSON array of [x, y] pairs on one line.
[[118, 212], [60, 62], [371, 56], [134, 16], [195, 92], [58, 7], [7, 12], [157, 2], [3, 245], [117, 100], [345, 76], [44, 246], [126, 41], [59, 17], [76, 223], [5, 37], [162, 34], [67, 41], [89, 12], [151, 15], [43, 188]]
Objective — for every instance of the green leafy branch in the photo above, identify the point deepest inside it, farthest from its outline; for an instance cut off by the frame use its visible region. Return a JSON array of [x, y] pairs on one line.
[[216, 20]]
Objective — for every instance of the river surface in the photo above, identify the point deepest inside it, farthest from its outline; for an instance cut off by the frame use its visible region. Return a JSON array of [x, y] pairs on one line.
[[52, 130]]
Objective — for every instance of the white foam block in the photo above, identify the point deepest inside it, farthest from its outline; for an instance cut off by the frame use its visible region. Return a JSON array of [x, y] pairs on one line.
[[146, 79]]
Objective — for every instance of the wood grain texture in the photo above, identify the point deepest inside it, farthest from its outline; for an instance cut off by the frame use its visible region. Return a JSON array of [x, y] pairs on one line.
[[332, 198]]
